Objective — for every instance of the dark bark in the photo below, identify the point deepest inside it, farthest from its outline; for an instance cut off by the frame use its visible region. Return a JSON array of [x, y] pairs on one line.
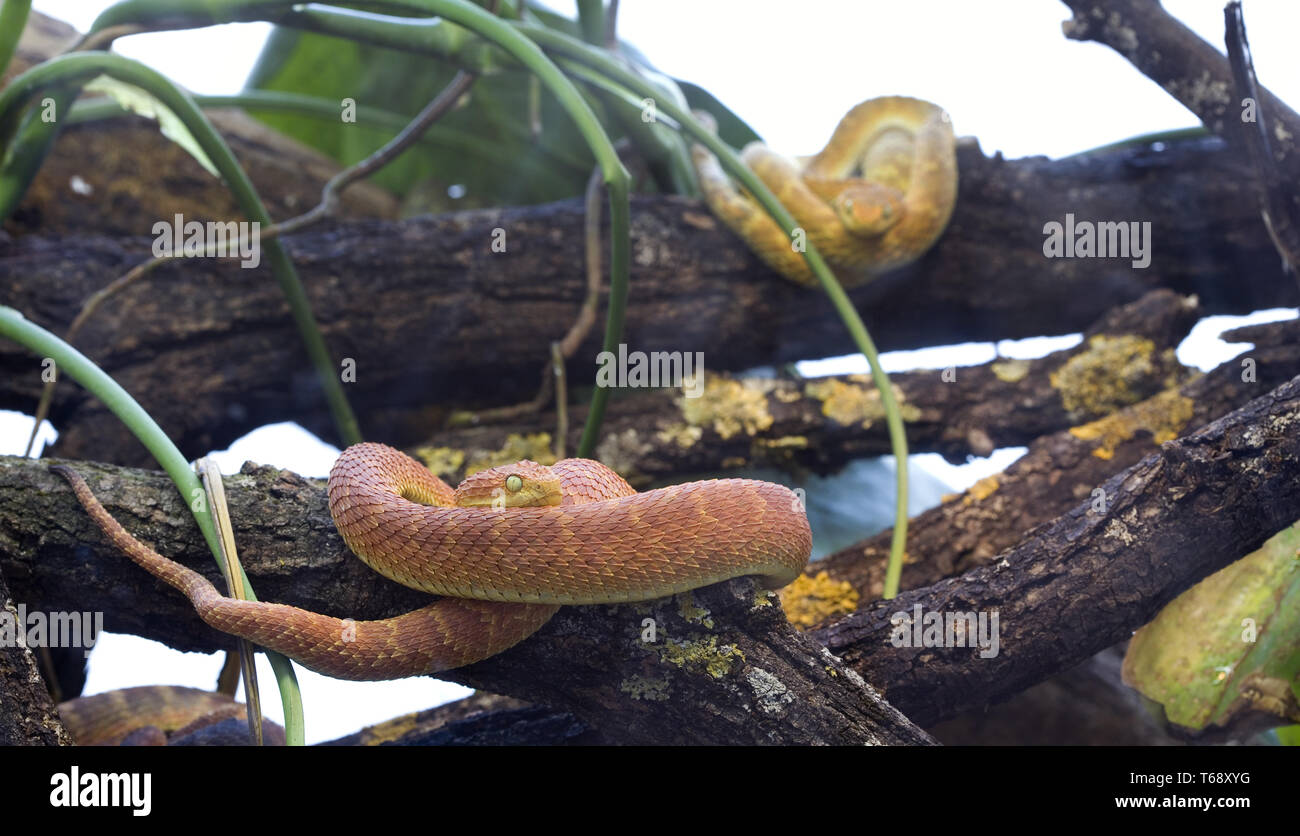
[[820, 424], [1194, 72], [1061, 469], [724, 666], [27, 714], [1072, 588], [120, 176], [429, 312], [1086, 580]]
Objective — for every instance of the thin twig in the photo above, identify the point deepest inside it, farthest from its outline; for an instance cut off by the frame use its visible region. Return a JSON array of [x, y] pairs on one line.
[[577, 332], [561, 400], [1275, 203], [611, 25]]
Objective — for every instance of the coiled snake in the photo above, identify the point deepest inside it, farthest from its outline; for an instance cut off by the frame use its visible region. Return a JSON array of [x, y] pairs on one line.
[[875, 198], [511, 545]]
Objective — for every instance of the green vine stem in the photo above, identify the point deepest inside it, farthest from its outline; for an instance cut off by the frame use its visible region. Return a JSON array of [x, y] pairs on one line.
[[67, 359], [78, 68], [599, 71], [413, 36], [612, 76], [13, 19]]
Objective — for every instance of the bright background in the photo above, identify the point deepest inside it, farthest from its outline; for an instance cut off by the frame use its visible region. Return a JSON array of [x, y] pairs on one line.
[[1003, 70]]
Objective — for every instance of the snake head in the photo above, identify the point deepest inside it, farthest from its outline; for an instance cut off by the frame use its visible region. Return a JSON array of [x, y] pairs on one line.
[[523, 484], [867, 209]]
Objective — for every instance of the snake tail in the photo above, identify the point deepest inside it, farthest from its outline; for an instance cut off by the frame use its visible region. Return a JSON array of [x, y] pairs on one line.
[[446, 634]]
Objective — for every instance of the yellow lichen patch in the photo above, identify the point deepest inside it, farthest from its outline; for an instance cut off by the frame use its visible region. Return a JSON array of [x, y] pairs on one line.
[[787, 442], [982, 490], [1011, 371], [1111, 374], [390, 730], [683, 435], [536, 447], [688, 610], [441, 461], [643, 688], [786, 394], [1164, 416], [705, 654], [809, 600], [778, 450], [853, 403], [621, 451], [729, 406]]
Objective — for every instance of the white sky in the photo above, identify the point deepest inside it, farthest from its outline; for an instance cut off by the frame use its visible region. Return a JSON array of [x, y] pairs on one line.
[[1002, 69]]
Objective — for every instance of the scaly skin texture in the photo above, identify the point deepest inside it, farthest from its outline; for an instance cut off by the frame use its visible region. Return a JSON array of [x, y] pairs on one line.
[[148, 714], [875, 198], [584, 537]]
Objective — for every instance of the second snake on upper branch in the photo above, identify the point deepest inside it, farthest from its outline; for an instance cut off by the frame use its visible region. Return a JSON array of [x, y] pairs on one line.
[[876, 198]]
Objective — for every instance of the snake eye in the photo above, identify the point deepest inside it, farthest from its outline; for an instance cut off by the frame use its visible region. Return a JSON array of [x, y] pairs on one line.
[[514, 484]]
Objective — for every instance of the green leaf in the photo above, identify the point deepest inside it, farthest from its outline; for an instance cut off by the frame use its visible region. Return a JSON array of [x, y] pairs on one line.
[[484, 146], [143, 103], [1229, 645], [731, 128]]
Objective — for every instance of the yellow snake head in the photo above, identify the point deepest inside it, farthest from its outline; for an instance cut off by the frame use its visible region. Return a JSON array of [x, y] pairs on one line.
[[867, 209], [524, 484]]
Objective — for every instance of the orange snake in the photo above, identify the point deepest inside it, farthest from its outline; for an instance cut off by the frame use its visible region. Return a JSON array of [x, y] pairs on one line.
[[571, 533], [875, 198]]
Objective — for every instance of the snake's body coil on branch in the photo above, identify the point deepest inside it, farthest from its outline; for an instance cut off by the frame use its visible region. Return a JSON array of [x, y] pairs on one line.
[[876, 198], [510, 546]]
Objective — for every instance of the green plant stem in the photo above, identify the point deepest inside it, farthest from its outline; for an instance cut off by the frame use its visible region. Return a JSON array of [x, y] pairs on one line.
[[609, 75], [77, 366], [13, 19], [504, 35], [78, 68]]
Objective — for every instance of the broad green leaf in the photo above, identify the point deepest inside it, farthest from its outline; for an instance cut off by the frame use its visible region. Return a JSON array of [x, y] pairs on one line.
[[731, 128], [481, 154], [142, 103], [1228, 645]]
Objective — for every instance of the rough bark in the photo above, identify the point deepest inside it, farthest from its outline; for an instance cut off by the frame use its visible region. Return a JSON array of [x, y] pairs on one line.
[[120, 176], [1191, 70], [723, 666], [429, 312], [1070, 589], [1061, 469], [27, 714], [1086, 580], [821, 424]]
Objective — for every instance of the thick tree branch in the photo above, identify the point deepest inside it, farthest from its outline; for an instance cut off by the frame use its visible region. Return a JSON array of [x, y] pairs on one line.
[[1061, 469], [820, 424], [1192, 71], [428, 311], [1087, 579], [718, 665], [27, 715]]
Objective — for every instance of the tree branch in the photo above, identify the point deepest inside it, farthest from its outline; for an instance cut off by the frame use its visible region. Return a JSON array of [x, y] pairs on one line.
[[1061, 469], [1086, 580]]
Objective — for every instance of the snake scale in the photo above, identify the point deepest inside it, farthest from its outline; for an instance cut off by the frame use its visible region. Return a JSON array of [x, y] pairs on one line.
[[875, 198], [509, 546]]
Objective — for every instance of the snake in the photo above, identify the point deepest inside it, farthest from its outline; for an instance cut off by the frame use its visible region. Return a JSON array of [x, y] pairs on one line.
[[155, 715], [506, 549], [876, 198]]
